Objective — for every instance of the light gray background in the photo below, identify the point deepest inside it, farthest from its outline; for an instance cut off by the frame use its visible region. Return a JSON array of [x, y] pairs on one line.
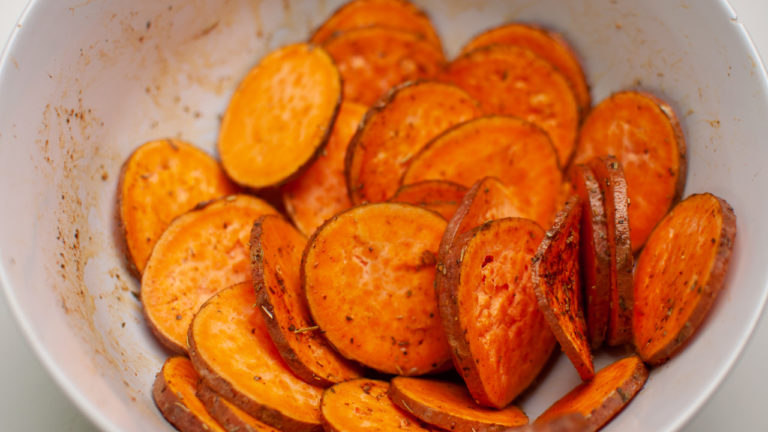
[[31, 401]]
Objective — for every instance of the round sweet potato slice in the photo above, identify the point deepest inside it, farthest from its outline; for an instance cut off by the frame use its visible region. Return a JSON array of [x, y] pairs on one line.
[[595, 254], [395, 130], [449, 406], [200, 253], [549, 45], [397, 14], [321, 191], [230, 347], [160, 181], [276, 250], [557, 283], [610, 177], [174, 394], [228, 415], [489, 310], [373, 60], [510, 80], [363, 405], [440, 196], [368, 276], [680, 273], [644, 134], [280, 116], [602, 398], [515, 151]]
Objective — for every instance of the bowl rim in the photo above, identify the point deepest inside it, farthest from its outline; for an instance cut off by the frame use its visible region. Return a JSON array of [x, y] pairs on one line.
[[97, 417]]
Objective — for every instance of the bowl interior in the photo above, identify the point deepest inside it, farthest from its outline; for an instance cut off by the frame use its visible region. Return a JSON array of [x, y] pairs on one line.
[[84, 83]]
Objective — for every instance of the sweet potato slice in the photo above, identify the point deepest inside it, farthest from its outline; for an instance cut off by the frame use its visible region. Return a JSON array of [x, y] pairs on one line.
[[397, 14], [174, 394], [449, 406], [644, 134], [517, 152], [373, 60], [549, 45], [605, 396], [557, 283], [280, 116], [511, 80], [441, 196], [610, 177], [321, 191], [570, 422], [200, 253], [486, 200], [232, 418], [595, 255], [159, 181], [680, 273], [489, 310], [231, 349], [368, 276], [276, 250], [395, 130], [363, 405]]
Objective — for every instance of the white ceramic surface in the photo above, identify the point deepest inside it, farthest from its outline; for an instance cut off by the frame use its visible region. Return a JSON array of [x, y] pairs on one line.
[[84, 82]]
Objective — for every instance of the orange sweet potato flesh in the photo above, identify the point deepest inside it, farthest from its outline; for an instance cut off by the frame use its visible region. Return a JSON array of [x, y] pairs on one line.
[[680, 273], [276, 250], [230, 347], [174, 394], [489, 310], [321, 191], [280, 116], [610, 176], [511, 80], [486, 200], [200, 253], [441, 196], [363, 405], [515, 151], [605, 396], [228, 415], [159, 181], [595, 255], [368, 276], [394, 131], [644, 134], [396, 14], [372, 60], [449, 406], [549, 45], [557, 283]]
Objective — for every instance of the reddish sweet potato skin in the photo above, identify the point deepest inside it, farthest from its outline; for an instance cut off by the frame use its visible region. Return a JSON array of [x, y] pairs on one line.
[[595, 255], [700, 286], [464, 328], [610, 175], [556, 280]]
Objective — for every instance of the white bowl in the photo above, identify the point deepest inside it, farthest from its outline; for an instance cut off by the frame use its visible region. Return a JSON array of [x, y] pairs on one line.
[[83, 83]]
